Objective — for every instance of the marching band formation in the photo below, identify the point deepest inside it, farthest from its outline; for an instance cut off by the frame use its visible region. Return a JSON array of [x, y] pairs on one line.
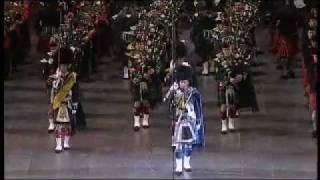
[[154, 57], [284, 33]]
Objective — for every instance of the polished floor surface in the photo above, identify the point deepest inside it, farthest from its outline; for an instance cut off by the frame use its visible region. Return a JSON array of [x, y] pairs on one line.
[[273, 143]]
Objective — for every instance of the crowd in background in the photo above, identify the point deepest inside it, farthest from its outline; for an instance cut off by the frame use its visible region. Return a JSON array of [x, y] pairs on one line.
[[310, 61], [293, 30], [38, 23], [16, 40], [101, 24]]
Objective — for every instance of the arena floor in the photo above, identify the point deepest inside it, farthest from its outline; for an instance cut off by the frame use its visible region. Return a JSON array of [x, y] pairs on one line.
[[273, 143]]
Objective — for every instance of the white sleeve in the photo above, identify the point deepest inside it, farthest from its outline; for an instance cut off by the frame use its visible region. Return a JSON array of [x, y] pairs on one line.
[[174, 87]]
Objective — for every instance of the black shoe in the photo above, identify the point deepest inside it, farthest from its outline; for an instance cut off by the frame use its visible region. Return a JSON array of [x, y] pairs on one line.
[[178, 173], [279, 67], [188, 170], [50, 131], [291, 75], [136, 128], [224, 132], [82, 127], [259, 52], [145, 127], [285, 76], [232, 130], [57, 151], [314, 134], [66, 148]]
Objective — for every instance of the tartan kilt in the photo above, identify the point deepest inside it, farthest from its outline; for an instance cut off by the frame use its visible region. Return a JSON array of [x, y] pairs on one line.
[[287, 47], [71, 120], [184, 132], [221, 96], [137, 96]]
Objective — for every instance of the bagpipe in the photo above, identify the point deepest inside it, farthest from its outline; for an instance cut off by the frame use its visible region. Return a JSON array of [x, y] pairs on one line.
[[45, 63], [70, 34], [171, 96], [151, 31], [60, 92], [209, 34], [65, 89], [128, 36], [69, 53], [177, 100]]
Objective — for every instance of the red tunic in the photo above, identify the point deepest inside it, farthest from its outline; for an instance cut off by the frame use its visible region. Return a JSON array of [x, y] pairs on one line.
[[6, 44], [27, 9], [313, 95], [282, 47], [103, 18], [91, 34], [286, 47], [313, 101], [313, 79], [304, 76]]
